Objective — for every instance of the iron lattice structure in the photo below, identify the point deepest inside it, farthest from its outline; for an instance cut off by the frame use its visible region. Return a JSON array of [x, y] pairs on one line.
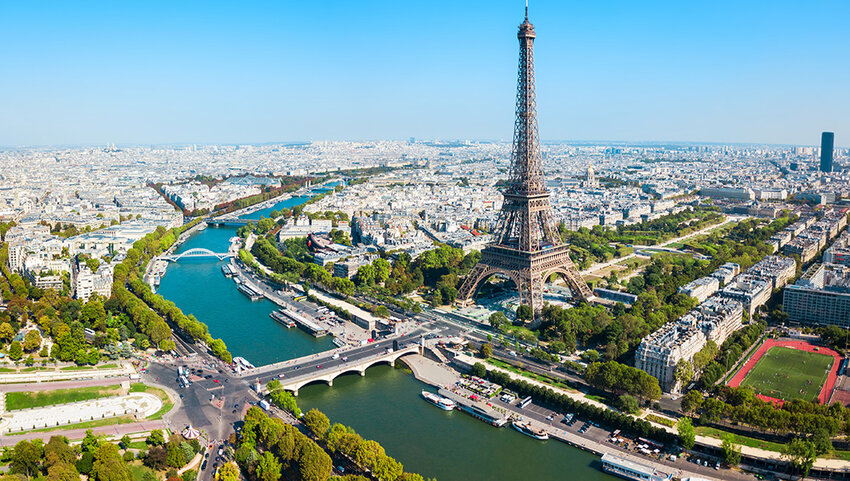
[[526, 245]]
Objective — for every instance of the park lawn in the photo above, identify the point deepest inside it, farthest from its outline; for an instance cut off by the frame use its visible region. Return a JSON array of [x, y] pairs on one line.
[[76, 368], [87, 425], [33, 399], [140, 445], [108, 366], [167, 403], [789, 374], [530, 375], [6, 369], [738, 439]]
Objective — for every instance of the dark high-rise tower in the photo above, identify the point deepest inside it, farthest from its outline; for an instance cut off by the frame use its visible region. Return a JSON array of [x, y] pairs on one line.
[[526, 245], [827, 139]]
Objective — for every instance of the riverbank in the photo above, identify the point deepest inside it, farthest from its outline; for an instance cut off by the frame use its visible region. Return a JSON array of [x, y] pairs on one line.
[[442, 376]]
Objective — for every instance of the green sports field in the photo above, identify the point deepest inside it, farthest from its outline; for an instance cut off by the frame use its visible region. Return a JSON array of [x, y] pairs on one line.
[[789, 374]]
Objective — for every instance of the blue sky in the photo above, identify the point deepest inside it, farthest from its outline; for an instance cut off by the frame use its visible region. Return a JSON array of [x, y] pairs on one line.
[[224, 72]]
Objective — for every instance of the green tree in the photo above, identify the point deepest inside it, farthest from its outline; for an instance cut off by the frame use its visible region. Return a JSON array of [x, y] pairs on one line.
[[91, 442], [26, 458], [228, 472], [62, 471], [801, 453], [628, 404], [524, 312], [268, 468], [109, 465], [16, 352], [731, 451], [156, 438], [498, 319], [486, 350], [317, 422], [687, 436], [314, 464], [684, 372], [57, 450], [479, 370], [32, 341], [6, 332], [437, 299]]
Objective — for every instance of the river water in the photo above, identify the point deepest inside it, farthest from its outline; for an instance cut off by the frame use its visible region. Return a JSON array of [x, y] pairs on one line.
[[385, 404]]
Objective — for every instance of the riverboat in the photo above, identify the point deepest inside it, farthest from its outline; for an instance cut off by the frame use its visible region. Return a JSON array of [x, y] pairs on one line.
[[227, 270], [339, 342], [441, 402], [249, 291], [491, 418], [525, 428], [627, 469], [280, 318]]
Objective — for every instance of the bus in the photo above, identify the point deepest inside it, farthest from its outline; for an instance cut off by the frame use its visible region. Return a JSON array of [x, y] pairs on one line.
[[300, 298], [525, 402]]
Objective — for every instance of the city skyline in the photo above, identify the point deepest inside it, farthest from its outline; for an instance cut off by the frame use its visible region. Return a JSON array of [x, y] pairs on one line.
[[168, 74]]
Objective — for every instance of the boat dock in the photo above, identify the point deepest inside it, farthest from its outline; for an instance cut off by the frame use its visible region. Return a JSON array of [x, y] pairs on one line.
[[476, 409], [304, 323]]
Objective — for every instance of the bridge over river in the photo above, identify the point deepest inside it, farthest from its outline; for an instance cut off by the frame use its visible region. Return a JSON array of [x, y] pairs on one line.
[[195, 253], [297, 373]]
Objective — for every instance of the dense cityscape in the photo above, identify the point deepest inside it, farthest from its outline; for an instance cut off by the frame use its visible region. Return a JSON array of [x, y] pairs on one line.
[[281, 310]]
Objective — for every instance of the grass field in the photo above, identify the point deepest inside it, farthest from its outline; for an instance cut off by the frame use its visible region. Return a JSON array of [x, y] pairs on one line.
[[789, 374], [33, 399], [167, 403]]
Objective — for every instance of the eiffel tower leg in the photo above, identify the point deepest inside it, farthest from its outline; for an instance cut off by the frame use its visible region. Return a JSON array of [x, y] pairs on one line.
[[470, 284]]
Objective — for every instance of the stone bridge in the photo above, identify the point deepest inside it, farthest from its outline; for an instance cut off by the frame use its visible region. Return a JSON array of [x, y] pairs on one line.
[[327, 374]]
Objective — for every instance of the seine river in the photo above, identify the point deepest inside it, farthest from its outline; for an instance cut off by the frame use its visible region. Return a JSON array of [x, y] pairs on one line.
[[385, 404]]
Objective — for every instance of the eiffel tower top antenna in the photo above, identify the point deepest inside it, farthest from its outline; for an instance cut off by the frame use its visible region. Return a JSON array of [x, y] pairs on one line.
[[526, 10]]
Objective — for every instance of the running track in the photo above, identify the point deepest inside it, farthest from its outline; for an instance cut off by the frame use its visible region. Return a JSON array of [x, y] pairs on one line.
[[799, 345]]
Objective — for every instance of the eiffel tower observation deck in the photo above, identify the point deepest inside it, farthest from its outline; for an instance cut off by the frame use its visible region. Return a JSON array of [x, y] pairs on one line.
[[526, 246]]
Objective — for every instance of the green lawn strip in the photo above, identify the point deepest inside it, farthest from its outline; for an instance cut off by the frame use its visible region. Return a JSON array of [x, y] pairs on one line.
[[86, 425], [6, 369], [32, 399], [842, 455], [738, 439], [138, 445], [108, 366], [597, 398], [530, 375], [76, 368], [659, 420], [167, 403]]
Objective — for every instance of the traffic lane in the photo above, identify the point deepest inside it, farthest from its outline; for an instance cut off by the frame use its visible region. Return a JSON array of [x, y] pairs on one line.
[[328, 361], [301, 369]]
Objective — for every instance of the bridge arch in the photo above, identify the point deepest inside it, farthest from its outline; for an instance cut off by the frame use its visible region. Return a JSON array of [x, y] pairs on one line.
[[361, 368], [198, 252]]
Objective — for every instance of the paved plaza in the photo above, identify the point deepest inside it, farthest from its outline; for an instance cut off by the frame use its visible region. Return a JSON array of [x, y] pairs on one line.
[[140, 404]]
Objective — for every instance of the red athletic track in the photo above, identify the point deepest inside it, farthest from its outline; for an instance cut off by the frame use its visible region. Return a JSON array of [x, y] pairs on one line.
[[801, 346]]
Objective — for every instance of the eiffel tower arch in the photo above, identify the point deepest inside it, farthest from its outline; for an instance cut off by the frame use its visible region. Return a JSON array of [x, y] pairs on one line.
[[526, 246]]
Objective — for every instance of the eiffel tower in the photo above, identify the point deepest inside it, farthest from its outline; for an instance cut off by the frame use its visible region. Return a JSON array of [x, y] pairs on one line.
[[526, 245]]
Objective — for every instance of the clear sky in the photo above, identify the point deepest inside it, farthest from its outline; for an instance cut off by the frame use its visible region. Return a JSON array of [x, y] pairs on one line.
[[225, 72]]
